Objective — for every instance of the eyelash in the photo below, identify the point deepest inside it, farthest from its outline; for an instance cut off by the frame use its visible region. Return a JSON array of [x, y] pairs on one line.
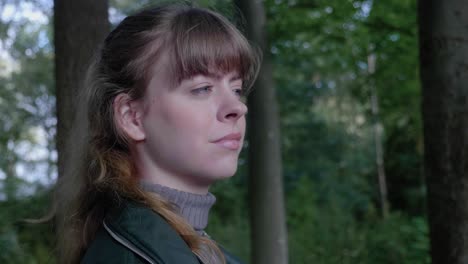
[[201, 90], [206, 89]]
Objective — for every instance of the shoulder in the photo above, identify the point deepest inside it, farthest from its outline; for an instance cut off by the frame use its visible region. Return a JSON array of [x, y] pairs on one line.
[[135, 233], [104, 249]]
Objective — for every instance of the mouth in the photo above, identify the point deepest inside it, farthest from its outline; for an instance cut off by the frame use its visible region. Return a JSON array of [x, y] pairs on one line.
[[231, 141]]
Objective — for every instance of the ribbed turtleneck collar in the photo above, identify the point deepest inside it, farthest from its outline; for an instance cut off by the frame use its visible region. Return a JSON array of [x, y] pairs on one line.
[[194, 208]]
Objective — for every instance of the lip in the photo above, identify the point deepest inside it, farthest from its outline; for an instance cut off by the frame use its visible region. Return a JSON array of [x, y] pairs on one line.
[[231, 141]]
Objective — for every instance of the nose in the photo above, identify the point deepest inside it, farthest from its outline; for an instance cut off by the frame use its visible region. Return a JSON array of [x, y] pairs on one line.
[[231, 109]]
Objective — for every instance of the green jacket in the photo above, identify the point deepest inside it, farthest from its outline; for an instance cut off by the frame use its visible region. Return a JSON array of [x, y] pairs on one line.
[[134, 234]]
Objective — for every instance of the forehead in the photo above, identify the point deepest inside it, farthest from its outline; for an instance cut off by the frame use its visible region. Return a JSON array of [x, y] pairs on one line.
[[217, 75], [211, 48], [165, 72], [161, 78]]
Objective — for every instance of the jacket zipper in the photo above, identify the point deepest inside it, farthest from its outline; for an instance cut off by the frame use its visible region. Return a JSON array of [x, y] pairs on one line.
[[127, 244]]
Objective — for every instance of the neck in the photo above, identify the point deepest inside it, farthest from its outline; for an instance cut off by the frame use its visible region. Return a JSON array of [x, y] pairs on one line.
[[194, 208], [154, 174]]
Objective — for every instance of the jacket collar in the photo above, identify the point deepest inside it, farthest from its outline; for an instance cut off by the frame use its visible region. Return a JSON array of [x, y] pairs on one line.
[[140, 227]]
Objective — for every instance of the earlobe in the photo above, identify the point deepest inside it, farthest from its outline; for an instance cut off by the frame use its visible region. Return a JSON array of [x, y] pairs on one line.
[[127, 115]]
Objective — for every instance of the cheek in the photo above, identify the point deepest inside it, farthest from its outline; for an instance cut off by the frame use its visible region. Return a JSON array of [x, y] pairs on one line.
[[187, 120], [242, 123], [242, 126], [174, 116]]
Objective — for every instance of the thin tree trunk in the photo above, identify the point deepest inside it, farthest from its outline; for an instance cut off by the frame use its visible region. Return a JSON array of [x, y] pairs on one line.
[[10, 183], [444, 73], [79, 27], [378, 134], [268, 225]]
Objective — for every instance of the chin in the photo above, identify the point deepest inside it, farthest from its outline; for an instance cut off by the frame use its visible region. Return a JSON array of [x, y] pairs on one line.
[[218, 170], [225, 174], [222, 173]]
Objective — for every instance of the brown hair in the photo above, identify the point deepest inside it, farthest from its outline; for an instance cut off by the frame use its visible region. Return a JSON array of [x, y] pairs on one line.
[[99, 172]]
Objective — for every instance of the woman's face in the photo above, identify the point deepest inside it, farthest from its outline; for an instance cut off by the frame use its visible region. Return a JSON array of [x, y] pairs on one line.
[[193, 133]]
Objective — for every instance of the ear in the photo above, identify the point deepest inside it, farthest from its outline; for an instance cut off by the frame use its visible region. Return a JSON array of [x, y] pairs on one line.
[[127, 115]]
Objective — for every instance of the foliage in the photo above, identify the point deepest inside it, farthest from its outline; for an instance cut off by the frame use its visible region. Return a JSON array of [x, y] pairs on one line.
[[322, 51], [26, 100], [21, 241], [324, 233]]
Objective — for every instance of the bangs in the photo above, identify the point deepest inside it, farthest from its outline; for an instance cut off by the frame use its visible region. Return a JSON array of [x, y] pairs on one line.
[[203, 43]]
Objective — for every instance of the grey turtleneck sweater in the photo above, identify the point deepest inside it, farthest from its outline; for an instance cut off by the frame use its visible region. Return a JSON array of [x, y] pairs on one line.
[[194, 208]]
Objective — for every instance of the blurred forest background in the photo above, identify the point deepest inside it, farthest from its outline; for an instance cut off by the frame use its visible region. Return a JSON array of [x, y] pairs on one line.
[[349, 97]]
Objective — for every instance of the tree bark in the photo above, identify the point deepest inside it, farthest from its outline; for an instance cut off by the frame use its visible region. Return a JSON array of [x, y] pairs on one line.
[[444, 73], [79, 28], [267, 212]]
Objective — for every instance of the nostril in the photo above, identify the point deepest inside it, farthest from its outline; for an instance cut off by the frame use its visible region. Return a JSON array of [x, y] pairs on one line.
[[231, 115]]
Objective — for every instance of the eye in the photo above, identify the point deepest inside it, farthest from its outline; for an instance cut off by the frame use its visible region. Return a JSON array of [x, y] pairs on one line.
[[239, 92], [237, 87], [202, 90]]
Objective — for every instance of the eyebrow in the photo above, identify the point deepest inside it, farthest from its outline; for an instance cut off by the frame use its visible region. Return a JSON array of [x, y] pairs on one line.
[[219, 76], [235, 78]]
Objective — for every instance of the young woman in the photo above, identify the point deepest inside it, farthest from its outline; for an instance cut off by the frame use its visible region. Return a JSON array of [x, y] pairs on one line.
[[165, 119]]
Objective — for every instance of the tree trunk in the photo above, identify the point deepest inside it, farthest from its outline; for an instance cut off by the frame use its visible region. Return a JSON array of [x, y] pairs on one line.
[[10, 183], [444, 73], [378, 134], [268, 225], [79, 27]]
